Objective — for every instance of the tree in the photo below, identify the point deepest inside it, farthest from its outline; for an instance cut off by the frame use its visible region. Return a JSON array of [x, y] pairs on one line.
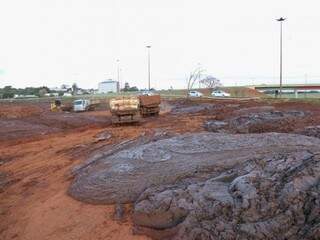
[[74, 89], [8, 92], [42, 91], [133, 89], [193, 78], [210, 82], [126, 87]]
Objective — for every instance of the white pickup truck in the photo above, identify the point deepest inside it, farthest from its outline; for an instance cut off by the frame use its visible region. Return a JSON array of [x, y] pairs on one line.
[[82, 105]]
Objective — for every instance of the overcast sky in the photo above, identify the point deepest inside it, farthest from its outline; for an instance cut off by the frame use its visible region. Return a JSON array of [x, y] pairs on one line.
[[51, 42]]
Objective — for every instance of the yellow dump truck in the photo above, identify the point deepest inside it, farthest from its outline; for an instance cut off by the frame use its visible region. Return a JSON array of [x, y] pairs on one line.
[[125, 109], [130, 109], [149, 105]]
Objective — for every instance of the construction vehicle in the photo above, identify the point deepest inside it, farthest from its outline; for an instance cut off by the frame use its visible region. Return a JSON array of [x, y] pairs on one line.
[[82, 105], [149, 105], [130, 109], [124, 109], [57, 106]]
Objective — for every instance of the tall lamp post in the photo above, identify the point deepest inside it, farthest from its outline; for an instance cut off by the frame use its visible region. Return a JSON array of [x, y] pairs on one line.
[[118, 73], [281, 20], [149, 76]]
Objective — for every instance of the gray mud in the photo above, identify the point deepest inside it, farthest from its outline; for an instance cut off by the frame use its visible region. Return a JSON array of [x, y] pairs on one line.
[[312, 131], [195, 109], [257, 120], [212, 185]]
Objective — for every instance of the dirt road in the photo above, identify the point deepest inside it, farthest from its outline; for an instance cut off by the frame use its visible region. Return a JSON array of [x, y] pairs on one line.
[[39, 150]]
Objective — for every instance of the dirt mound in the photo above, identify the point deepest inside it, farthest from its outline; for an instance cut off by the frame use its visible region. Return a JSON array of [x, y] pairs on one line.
[[209, 185], [10, 111], [243, 92], [312, 131], [265, 122], [26, 120], [11, 128], [272, 197], [257, 120], [195, 108], [215, 126], [251, 110]]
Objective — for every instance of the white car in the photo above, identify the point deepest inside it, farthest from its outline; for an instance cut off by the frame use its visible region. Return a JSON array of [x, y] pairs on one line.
[[195, 94], [219, 93], [67, 95], [147, 93]]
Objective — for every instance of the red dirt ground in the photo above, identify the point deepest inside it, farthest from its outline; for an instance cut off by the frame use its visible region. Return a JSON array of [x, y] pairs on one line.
[[35, 167], [10, 111]]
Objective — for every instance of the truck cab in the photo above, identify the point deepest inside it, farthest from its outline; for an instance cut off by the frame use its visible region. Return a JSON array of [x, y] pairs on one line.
[[81, 105]]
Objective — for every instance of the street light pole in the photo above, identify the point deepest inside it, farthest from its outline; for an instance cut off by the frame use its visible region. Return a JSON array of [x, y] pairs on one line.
[[149, 75], [118, 72], [281, 21]]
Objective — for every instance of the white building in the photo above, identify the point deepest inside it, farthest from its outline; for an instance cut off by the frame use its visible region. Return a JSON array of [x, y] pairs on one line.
[[108, 86]]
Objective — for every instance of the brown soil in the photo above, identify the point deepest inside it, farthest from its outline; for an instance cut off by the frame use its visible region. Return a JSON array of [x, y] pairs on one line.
[[244, 92], [38, 150], [11, 111]]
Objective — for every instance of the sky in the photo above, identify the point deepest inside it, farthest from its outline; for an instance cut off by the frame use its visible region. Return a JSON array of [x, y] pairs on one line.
[[54, 42]]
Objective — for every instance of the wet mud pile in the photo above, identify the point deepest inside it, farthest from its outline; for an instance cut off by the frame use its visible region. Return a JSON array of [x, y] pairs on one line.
[[265, 120], [312, 131], [28, 121], [211, 185], [195, 108]]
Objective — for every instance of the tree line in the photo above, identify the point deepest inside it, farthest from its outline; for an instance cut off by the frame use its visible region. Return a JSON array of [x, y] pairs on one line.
[[10, 92]]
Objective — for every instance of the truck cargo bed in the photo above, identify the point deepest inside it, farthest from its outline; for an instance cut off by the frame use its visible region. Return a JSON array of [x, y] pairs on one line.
[[125, 110], [149, 105], [146, 101], [148, 111], [119, 119]]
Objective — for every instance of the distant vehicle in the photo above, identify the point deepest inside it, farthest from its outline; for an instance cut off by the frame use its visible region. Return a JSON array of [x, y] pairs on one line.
[[57, 106], [51, 94], [129, 109], [195, 94], [25, 96], [219, 93], [147, 93], [124, 109], [67, 95], [84, 105]]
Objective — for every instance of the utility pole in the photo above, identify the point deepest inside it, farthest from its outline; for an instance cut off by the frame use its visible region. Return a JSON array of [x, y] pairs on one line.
[[118, 73], [305, 82], [149, 75], [281, 20]]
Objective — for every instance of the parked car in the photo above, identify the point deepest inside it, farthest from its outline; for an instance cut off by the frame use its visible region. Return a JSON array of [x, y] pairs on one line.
[[147, 93], [219, 93], [67, 95], [195, 94]]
